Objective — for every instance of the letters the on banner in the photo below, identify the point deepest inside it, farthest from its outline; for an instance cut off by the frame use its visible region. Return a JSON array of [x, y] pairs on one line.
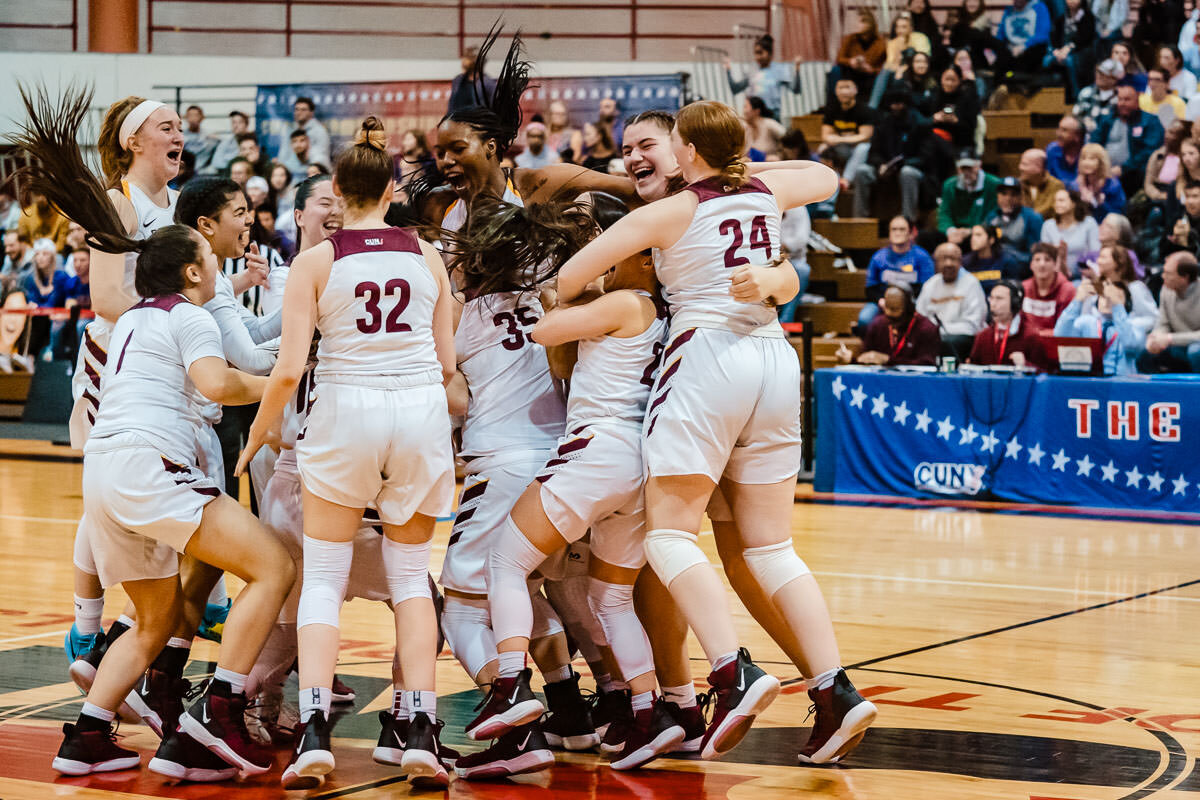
[[1111, 442]]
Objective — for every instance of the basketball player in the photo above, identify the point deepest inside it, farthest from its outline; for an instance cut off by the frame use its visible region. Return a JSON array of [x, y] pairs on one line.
[[708, 238], [378, 434]]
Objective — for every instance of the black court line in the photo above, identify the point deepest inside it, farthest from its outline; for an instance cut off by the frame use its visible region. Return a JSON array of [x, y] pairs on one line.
[[349, 790]]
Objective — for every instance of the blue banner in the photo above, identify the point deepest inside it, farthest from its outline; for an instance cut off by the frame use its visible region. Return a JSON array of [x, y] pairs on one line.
[[1097, 442]]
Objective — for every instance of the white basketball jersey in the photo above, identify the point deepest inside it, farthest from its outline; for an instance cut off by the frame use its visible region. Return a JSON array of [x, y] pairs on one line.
[[730, 229], [613, 376], [150, 218], [146, 389], [375, 315]]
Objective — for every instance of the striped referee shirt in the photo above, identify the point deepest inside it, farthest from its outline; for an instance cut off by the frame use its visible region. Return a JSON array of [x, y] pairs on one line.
[[252, 298]]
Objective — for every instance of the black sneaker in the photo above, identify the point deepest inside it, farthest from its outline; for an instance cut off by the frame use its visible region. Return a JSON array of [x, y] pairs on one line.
[[654, 732], [509, 704], [517, 752], [340, 693], [182, 758], [218, 721], [83, 752], [607, 706], [83, 673], [390, 747], [568, 725], [692, 722], [312, 758], [620, 715], [740, 692], [158, 700], [422, 754], [843, 716]]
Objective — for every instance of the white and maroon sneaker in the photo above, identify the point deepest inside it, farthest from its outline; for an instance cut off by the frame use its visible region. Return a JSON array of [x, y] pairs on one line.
[[517, 752], [654, 733], [509, 704], [843, 716], [741, 691], [84, 751]]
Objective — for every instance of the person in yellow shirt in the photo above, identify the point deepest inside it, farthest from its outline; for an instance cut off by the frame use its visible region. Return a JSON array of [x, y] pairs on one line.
[[1160, 100], [40, 221]]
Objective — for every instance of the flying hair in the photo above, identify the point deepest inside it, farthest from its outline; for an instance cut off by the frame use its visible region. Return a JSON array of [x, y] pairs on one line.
[[497, 116]]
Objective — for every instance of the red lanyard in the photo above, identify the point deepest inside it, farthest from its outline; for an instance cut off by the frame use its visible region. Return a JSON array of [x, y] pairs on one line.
[[1003, 344], [892, 335], [1100, 335]]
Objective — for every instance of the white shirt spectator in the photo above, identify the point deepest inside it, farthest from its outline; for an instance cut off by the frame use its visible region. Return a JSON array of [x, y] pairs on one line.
[[1183, 84], [318, 145], [959, 308]]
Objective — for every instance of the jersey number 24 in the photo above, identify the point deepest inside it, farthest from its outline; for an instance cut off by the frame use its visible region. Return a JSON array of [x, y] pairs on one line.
[[760, 239]]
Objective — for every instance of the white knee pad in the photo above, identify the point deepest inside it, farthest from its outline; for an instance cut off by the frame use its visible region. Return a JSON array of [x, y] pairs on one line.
[[466, 624], [545, 618], [612, 604], [326, 574], [407, 569], [83, 548], [512, 559], [774, 565], [671, 553]]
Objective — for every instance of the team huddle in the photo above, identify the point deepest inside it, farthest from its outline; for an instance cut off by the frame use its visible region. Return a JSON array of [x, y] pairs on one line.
[[608, 347]]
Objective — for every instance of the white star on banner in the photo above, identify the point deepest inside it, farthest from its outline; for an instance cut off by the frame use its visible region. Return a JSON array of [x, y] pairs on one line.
[[923, 419], [857, 395], [1085, 466], [945, 429], [901, 411], [1012, 449], [838, 387], [1110, 471], [1154, 482], [967, 435], [879, 404], [1060, 460], [1180, 485], [988, 443], [1133, 478], [1035, 454]]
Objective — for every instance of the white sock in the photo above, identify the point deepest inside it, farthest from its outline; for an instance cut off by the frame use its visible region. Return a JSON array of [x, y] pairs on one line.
[[236, 680], [179, 642], [563, 673], [400, 704], [97, 712], [219, 596], [314, 699], [824, 680], [683, 696], [511, 663], [721, 661], [643, 701], [88, 611], [125, 620], [422, 703]]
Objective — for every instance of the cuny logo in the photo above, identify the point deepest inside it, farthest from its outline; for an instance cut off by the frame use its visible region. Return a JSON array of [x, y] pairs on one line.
[[945, 478], [373, 242]]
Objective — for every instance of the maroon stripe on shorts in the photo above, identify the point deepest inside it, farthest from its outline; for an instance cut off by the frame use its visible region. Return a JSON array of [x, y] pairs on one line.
[[573, 445], [91, 398], [650, 430], [454, 537], [207, 491], [474, 492], [658, 402], [93, 376], [173, 468], [463, 516], [668, 372], [95, 349], [91, 418], [678, 342], [544, 478]]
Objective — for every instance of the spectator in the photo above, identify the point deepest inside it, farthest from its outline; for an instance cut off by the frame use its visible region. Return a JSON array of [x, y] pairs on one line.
[[923, 20], [1188, 46], [282, 198], [904, 40], [10, 210], [249, 149], [898, 336], [1115, 264], [536, 154], [76, 239], [1109, 322], [1038, 186], [1183, 228], [560, 136], [1160, 100], [1189, 170], [1100, 98], [1018, 228], [1101, 194], [860, 57], [1072, 231], [972, 29], [794, 230], [967, 198], [265, 232], [196, 141], [954, 109], [916, 73], [1180, 79], [846, 129], [464, 90], [1174, 343], [240, 171], [303, 114], [954, 301], [79, 290], [1158, 21], [763, 134], [1025, 33], [1129, 135], [1163, 167], [40, 221], [609, 117], [257, 190], [598, 147], [1048, 292], [301, 154], [769, 79], [18, 254], [901, 263], [794, 147], [1114, 230], [227, 145], [1110, 21], [966, 66], [1072, 42], [898, 150], [987, 261], [45, 286], [1006, 341], [1123, 54]]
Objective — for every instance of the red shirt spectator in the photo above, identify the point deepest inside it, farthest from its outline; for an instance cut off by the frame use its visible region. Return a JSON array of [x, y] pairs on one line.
[[900, 335], [1008, 341], [1047, 293]]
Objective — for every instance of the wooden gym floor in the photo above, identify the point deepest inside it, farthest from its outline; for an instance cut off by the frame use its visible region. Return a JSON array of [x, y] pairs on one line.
[[1011, 656]]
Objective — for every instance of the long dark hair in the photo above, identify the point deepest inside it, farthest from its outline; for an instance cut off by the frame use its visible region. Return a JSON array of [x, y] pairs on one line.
[[498, 115], [57, 170]]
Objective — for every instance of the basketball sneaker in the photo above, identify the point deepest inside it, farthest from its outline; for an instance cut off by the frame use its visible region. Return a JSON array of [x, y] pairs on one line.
[[218, 721], [390, 747], [740, 692], [653, 733], [158, 700], [843, 715], [340, 693], [212, 624], [606, 706], [83, 752], [312, 759], [568, 724], [182, 758], [509, 704], [76, 643], [691, 719], [620, 721], [422, 758], [517, 752], [83, 673]]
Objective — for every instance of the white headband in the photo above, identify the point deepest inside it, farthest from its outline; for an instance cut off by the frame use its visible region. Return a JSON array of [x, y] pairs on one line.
[[135, 118]]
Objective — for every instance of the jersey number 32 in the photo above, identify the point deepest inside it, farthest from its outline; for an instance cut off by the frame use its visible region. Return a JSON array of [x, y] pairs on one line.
[[374, 321]]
